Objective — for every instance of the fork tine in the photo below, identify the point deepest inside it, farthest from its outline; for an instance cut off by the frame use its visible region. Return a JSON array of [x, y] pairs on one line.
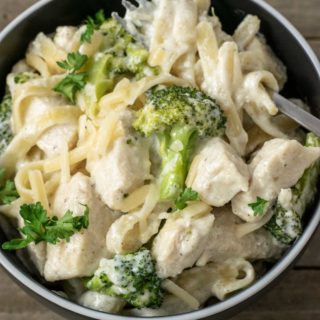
[[116, 16], [128, 5]]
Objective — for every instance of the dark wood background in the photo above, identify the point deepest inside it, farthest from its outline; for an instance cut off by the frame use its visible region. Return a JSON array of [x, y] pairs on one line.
[[296, 297]]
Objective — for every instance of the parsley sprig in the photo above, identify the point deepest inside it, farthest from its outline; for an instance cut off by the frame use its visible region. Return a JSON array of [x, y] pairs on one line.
[[259, 207], [73, 82], [187, 195], [75, 61], [39, 227], [92, 24], [8, 191]]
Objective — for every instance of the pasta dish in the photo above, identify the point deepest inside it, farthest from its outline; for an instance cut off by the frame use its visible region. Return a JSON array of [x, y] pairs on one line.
[[144, 165]]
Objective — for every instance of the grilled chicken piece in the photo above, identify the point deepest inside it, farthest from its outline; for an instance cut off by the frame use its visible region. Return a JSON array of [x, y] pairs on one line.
[[81, 255], [122, 170], [279, 164], [218, 173], [180, 242], [223, 242]]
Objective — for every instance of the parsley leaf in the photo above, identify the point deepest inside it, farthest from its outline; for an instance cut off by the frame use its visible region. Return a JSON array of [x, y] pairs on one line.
[[8, 192], [259, 207], [71, 84], [91, 25], [39, 227], [187, 195], [74, 62]]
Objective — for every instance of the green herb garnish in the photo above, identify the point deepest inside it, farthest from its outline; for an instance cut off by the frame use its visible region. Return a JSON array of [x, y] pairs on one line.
[[39, 227], [92, 24], [187, 195], [259, 207], [75, 61], [8, 192], [71, 84]]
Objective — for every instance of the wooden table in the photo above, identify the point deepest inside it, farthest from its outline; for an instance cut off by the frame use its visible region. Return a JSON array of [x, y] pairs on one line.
[[296, 297]]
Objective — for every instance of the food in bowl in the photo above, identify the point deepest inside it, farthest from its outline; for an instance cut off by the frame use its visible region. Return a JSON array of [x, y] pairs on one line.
[[147, 168]]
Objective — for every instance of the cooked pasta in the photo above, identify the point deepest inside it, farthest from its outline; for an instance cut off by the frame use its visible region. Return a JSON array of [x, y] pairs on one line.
[[148, 161]]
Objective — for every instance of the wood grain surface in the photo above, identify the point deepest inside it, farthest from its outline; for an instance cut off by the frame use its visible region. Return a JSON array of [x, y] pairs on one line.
[[296, 297]]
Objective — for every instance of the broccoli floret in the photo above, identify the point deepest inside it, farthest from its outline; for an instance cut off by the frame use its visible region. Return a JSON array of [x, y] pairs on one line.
[[5, 126], [178, 116], [131, 277], [120, 56], [116, 38], [312, 140], [285, 224], [129, 56]]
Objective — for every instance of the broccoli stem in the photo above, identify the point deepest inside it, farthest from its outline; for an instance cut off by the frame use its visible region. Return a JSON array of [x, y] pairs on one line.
[[306, 188], [97, 76], [285, 224], [176, 147]]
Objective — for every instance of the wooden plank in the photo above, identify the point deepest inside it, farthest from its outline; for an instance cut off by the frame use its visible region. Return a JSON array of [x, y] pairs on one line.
[[311, 256], [304, 14], [35, 315], [17, 305], [296, 297], [10, 9], [315, 44]]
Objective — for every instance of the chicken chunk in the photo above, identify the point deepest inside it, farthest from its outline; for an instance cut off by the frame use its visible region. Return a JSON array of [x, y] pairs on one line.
[[37, 253], [53, 140], [223, 242], [180, 242], [81, 255], [277, 165], [122, 170], [101, 302], [218, 173]]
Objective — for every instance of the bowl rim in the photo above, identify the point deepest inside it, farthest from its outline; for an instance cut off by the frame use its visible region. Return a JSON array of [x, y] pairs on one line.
[[283, 264]]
